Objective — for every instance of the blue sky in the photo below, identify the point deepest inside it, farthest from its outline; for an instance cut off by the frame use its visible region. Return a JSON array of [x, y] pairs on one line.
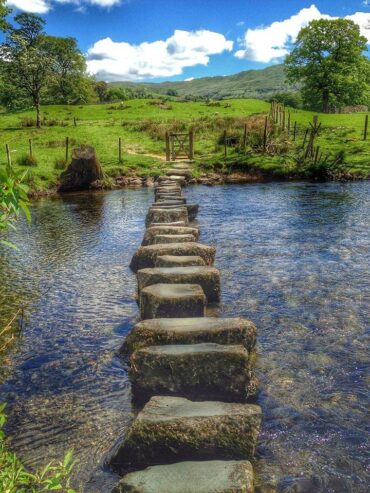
[[181, 39]]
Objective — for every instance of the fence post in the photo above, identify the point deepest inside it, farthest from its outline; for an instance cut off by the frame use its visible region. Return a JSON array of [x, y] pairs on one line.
[[283, 124], [225, 143], [245, 137], [288, 123], [366, 126], [168, 154], [265, 135], [119, 150], [191, 144], [30, 146], [9, 157], [295, 131], [74, 121], [67, 148]]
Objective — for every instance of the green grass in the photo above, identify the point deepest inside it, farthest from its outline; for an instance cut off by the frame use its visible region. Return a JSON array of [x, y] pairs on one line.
[[142, 123]]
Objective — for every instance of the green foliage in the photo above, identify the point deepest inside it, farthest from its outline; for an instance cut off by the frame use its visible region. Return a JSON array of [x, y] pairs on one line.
[[27, 160], [328, 60], [291, 99], [14, 478]]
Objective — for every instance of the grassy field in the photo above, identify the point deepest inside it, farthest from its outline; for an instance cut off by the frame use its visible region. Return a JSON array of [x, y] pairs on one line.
[[142, 125]]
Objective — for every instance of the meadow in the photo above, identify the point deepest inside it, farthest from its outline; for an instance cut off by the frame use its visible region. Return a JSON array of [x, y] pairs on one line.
[[142, 123]]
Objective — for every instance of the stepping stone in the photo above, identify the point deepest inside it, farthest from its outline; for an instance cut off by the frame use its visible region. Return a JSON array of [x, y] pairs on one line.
[[173, 261], [163, 215], [179, 172], [153, 231], [191, 477], [234, 331], [178, 179], [172, 300], [173, 239], [175, 223], [172, 180], [182, 165], [192, 209], [205, 371], [146, 256], [207, 277], [171, 429], [168, 189], [167, 201]]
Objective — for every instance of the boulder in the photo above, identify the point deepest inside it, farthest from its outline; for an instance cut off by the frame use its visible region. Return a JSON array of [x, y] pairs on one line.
[[235, 331], [191, 477], [83, 171], [173, 239], [173, 261], [207, 277], [161, 215], [146, 256], [205, 371], [153, 231], [172, 300], [171, 429]]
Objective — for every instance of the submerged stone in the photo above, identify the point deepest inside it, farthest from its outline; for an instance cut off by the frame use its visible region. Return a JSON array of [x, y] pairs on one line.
[[197, 371], [191, 477], [207, 277], [153, 231], [177, 261], [162, 215], [190, 331], [173, 239], [171, 429], [172, 300], [146, 256]]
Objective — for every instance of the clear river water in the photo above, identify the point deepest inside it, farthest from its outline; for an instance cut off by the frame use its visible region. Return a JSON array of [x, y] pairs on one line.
[[294, 258]]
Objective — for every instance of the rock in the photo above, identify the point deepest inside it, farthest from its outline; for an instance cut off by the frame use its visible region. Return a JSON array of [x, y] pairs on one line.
[[183, 165], [162, 215], [191, 477], [173, 261], [204, 371], [83, 171], [152, 232], [146, 256], [171, 429], [173, 239], [179, 172], [192, 209], [190, 331], [173, 202], [172, 300], [207, 277], [149, 182], [175, 223], [180, 180]]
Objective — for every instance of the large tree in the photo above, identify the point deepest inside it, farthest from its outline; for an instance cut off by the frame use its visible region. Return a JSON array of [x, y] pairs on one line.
[[4, 11], [328, 60]]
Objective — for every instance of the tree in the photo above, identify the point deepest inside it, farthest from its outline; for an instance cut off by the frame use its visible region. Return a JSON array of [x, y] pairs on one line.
[[328, 60], [4, 11], [101, 89]]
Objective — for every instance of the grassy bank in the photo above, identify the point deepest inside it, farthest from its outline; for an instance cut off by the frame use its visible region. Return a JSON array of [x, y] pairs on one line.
[[141, 124]]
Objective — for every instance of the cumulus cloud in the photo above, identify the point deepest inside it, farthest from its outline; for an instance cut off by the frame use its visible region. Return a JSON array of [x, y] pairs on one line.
[[43, 6], [271, 43], [110, 60]]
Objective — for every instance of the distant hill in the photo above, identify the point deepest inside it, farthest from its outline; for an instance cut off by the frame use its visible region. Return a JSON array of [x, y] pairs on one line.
[[260, 84]]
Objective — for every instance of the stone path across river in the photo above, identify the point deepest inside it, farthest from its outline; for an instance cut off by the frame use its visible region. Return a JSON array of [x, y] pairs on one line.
[[191, 374]]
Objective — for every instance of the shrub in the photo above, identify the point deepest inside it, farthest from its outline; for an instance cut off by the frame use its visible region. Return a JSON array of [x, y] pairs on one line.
[[27, 160], [27, 121]]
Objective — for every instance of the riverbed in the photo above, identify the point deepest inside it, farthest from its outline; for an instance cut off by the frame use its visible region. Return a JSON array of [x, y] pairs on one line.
[[294, 258]]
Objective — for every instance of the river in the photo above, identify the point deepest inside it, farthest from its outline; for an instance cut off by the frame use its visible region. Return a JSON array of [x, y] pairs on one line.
[[294, 258]]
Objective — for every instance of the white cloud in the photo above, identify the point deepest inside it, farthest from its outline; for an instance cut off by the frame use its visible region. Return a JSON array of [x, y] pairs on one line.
[[272, 43], [110, 60], [189, 79], [43, 6]]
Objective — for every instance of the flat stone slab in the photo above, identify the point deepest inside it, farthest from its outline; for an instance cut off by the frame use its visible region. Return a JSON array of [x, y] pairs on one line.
[[192, 209], [179, 172], [173, 239], [171, 429], [191, 477], [190, 331], [146, 256], [169, 202], [207, 277], [153, 231], [173, 179], [162, 215], [175, 223], [173, 261], [204, 371], [172, 300]]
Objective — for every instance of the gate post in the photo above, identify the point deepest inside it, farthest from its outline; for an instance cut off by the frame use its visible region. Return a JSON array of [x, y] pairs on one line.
[[191, 145], [168, 154]]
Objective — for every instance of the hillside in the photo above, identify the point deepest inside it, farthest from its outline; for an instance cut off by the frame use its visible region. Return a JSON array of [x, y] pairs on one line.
[[260, 84]]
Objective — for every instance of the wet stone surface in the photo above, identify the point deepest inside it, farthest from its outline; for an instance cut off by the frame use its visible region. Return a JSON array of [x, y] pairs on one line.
[[178, 261], [153, 231], [191, 477]]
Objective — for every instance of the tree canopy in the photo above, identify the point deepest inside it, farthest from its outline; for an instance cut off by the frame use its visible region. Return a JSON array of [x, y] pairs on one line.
[[328, 60]]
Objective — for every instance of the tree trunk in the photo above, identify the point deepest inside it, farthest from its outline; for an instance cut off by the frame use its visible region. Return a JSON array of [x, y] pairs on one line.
[[325, 101], [38, 113]]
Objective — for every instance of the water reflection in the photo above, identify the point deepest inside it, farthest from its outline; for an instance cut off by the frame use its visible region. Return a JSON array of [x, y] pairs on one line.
[[294, 259]]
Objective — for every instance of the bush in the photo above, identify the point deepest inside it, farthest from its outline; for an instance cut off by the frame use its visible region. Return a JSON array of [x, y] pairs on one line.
[[27, 160], [27, 121], [60, 164]]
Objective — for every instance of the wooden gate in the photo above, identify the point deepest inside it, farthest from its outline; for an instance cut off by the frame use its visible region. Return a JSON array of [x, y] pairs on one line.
[[179, 146]]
